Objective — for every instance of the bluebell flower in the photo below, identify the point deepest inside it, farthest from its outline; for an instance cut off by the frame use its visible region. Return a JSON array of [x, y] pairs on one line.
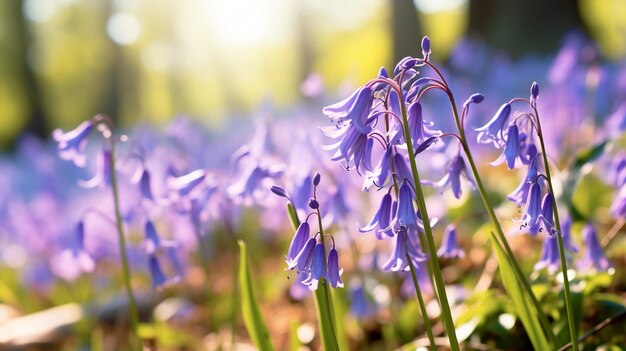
[[547, 213], [251, 185], [492, 132], [156, 272], [418, 129], [144, 185], [520, 194], [354, 109], [152, 242], [617, 173], [102, 176], [334, 272], [318, 267], [299, 240], [381, 221], [550, 258], [594, 257], [566, 234], [404, 64], [449, 246], [511, 152], [352, 147], [402, 170], [527, 149], [378, 177], [452, 178], [531, 217], [405, 214], [407, 243], [72, 144], [186, 184], [302, 262], [361, 305]]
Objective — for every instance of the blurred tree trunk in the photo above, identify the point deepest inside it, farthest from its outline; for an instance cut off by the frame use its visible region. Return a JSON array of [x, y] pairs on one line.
[[37, 123], [406, 34], [523, 27]]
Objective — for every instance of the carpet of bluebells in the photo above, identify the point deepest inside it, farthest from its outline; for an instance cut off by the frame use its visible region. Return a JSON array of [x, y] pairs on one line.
[[310, 227]]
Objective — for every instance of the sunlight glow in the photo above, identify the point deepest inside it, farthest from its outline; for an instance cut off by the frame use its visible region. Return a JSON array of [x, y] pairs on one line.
[[240, 23]]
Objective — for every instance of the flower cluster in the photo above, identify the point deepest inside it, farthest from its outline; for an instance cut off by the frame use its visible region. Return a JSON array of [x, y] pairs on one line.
[[307, 254]]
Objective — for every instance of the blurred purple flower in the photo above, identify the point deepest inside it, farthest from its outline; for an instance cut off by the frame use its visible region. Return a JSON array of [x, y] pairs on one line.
[[550, 258], [102, 176], [452, 178], [449, 245], [362, 305], [594, 257], [71, 144]]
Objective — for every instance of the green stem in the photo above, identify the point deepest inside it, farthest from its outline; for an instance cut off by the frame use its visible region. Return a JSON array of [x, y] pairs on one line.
[[132, 305], [494, 220], [326, 292], [430, 242], [420, 299], [418, 291], [557, 222]]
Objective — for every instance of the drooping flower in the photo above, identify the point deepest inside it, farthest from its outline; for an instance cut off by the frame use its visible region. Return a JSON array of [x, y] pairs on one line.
[[520, 195], [547, 213], [566, 234], [381, 221], [405, 214], [156, 272], [452, 178], [418, 128], [353, 147], [594, 257], [531, 217], [354, 109], [318, 267], [511, 152], [550, 258], [492, 132], [102, 176], [299, 240], [302, 262], [72, 144], [144, 184], [407, 244], [334, 272], [449, 245], [361, 305]]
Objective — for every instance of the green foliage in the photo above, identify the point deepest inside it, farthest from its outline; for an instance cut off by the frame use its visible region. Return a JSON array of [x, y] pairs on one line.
[[521, 303], [250, 306]]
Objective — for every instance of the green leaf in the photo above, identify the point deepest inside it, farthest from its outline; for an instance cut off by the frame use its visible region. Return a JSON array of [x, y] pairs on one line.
[[521, 303], [325, 319], [249, 305], [293, 216]]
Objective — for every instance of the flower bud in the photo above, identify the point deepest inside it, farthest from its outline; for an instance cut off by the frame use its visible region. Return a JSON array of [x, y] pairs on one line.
[[313, 204], [279, 191], [425, 46], [534, 91], [317, 178]]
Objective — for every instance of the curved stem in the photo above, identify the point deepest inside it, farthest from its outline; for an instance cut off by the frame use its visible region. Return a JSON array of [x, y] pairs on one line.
[[494, 220], [132, 305], [430, 243], [559, 236]]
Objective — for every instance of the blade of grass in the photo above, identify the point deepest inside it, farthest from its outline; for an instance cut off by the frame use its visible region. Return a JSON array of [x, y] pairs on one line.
[[249, 305], [521, 304]]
